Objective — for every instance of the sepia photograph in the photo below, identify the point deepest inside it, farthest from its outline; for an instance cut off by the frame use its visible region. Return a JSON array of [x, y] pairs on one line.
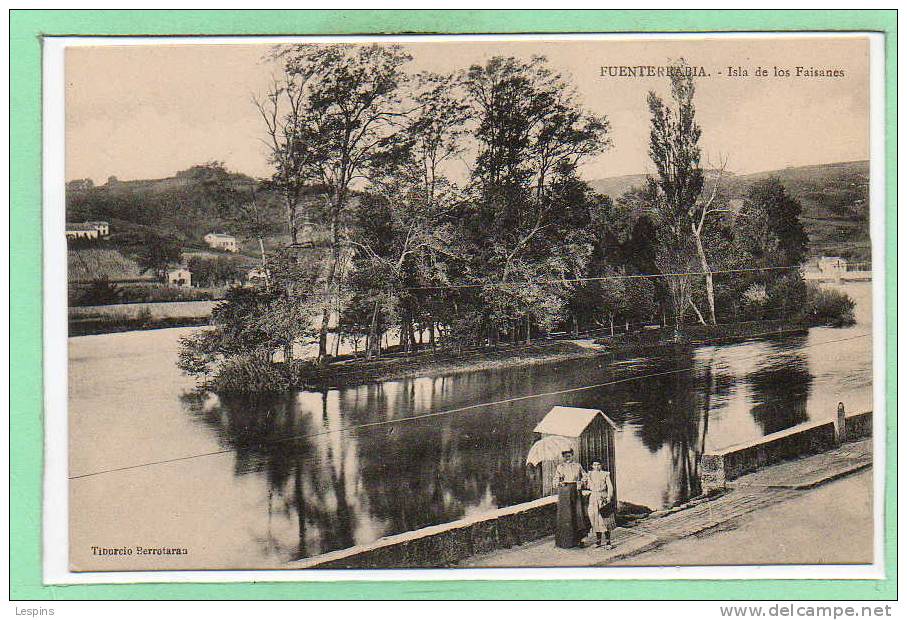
[[468, 302]]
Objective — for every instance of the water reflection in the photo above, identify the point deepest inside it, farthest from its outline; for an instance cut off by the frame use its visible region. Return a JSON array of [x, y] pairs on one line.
[[281, 482], [347, 468]]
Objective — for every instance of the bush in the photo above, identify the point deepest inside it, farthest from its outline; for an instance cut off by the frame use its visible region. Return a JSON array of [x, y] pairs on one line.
[[827, 306], [101, 292], [787, 298], [251, 374]]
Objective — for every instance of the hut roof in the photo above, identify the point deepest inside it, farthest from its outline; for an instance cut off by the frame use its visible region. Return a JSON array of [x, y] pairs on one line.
[[569, 421]]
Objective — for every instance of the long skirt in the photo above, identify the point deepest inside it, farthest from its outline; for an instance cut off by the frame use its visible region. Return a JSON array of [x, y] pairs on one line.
[[601, 514], [571, 518]]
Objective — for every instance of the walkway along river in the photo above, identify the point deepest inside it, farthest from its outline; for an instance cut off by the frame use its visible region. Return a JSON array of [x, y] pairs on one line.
[[255, 483]]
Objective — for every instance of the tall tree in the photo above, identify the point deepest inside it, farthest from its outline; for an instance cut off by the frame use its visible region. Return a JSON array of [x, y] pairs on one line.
[[683, 210], [348, 121], [533, 135], [283, 110], [770, 219]]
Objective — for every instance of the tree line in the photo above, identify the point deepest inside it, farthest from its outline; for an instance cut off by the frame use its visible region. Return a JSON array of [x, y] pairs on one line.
[[384, 235]]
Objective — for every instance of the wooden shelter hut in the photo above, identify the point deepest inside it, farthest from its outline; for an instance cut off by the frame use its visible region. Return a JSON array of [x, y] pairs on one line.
[[591, 435]]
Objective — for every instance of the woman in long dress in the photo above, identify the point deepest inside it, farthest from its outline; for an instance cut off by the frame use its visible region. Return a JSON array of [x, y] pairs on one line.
[[601, 510], [571, 519]]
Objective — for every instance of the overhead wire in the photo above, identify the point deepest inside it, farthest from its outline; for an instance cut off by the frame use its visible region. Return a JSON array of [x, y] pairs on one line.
[[433, 414]]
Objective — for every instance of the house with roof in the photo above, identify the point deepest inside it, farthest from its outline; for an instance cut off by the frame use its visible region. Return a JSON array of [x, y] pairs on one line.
[[179, 276], [102, 227], [222, 241], [826, 269], [81, 230]]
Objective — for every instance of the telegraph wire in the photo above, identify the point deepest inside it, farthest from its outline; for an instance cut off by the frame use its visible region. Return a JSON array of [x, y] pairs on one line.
[[434, 414]]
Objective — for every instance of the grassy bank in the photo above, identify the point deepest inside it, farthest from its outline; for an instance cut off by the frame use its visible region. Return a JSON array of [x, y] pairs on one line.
[[354, 371], [125, 323], [89, 320], [443, 362]]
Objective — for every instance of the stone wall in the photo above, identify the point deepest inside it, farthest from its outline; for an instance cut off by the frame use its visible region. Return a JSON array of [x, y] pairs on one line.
[[445, 544], [858, 426], [448, 543], [721, 466]]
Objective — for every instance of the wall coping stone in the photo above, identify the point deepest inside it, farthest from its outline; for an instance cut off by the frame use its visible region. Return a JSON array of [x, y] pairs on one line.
[[425, 532]]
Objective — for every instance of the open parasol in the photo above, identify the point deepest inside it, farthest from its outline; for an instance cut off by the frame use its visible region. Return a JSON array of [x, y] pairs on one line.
[[548, 449]]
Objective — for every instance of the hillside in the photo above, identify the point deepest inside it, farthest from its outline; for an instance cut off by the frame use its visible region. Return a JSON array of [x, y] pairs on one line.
[[184, 207], [835, 199]]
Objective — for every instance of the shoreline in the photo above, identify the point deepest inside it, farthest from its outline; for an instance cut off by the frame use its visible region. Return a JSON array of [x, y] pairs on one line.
[[351, 371], [98, 326], [361, 371]]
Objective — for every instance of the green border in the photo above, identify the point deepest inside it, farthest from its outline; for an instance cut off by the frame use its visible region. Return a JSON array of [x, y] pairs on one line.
[[26, 430]]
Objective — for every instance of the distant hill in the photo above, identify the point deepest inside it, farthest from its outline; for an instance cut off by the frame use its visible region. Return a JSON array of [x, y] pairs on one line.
[[184, 207], [835, 199]]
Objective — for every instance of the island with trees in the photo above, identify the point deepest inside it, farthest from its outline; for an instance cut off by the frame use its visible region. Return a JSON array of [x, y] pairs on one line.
[[383, 262]]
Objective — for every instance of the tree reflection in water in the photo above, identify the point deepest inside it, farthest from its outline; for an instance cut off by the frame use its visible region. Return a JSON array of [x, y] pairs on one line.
[[337, 465]]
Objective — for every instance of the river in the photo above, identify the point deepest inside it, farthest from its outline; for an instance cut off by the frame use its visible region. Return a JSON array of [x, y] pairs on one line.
[[253, 484]]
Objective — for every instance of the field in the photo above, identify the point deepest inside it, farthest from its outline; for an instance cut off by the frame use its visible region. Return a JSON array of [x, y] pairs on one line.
[[84, 265], [87, 320], [164, 310]]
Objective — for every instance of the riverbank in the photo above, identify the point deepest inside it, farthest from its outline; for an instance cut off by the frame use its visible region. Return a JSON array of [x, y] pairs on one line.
[[520, 535], [115, 318], [777, 489], [349, 371]]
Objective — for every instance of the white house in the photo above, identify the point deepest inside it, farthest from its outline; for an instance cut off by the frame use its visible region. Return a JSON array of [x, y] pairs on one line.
[[179, 276], [81, 230], [827, 269], [102, 227], [222, 241]]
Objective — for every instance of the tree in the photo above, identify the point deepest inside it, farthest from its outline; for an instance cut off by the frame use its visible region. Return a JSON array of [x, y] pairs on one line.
[[678, 189], [252, 323], [215, 271], [283, 112], [156, 253], [403, 226], [770, 221], [339, 127], [529, 204]]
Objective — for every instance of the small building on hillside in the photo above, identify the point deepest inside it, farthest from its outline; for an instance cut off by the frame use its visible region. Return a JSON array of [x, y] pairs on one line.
[[588, 432], [79, 185], [103, 228], [257, 275], [179, 276], [827, 269], [81, 230], [222, 241], [87, 230]]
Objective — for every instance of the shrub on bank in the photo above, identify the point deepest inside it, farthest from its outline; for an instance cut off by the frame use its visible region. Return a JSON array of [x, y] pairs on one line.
[[828, 306], [252, 374]]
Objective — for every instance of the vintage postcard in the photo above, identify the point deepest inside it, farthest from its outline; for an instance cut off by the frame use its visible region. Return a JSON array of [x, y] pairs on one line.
[[467, 302]]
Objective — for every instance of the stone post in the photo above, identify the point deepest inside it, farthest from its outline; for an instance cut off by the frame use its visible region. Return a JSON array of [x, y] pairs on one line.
[[840, 425], [712, 476]]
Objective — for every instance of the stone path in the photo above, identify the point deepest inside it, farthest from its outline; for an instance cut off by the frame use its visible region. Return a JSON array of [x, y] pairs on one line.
[[767, 487]]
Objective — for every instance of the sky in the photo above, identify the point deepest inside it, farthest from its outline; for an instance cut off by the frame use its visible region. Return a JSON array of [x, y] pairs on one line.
[[148, 111]]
